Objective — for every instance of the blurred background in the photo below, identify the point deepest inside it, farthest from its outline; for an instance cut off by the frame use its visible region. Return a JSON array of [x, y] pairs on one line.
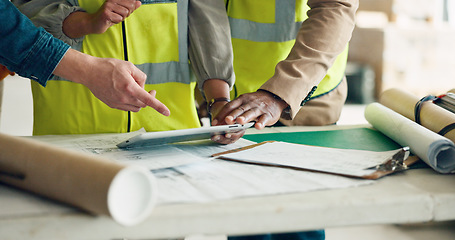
[[406, 44]]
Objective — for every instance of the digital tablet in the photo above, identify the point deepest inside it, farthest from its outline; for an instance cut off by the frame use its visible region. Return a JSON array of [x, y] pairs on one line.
[[163, 137]]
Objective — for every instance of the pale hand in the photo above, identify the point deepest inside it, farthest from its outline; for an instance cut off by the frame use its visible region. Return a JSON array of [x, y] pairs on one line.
[[119, 84]]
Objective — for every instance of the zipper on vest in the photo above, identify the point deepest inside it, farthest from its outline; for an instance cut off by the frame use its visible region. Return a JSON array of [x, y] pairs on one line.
[[125, 56], [227, 4]]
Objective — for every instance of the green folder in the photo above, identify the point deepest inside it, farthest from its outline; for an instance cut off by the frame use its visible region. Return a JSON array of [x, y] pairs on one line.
[[355, 138]]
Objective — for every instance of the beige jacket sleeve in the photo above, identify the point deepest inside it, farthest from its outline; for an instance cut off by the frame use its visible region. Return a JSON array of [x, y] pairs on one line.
[[321, 38]]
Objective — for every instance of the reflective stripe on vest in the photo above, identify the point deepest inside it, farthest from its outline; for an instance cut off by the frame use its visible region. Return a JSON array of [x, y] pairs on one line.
[[174, 68], [263, 33], [156, 46]]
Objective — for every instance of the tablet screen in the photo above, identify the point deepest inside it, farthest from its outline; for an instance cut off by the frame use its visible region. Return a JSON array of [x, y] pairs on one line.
[[190, 134]]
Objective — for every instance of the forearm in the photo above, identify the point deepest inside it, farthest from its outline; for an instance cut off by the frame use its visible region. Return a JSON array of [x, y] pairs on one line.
[[77, 25], [216, 88], [321, 38], [74, 66]]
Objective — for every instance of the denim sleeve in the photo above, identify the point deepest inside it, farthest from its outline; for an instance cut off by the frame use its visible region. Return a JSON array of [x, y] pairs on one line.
[[30, 52]]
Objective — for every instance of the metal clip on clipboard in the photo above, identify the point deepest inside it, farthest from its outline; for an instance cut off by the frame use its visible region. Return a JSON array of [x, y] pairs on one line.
[[396, 163]]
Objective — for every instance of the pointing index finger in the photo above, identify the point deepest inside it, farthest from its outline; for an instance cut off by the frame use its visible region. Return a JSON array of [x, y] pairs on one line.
[[150, 100]]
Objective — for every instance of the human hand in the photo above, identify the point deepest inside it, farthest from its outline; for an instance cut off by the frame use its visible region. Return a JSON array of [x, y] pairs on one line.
[[119, 84], [260, 106], [218, 90], [227, 138], [79, 24], [111, 13]]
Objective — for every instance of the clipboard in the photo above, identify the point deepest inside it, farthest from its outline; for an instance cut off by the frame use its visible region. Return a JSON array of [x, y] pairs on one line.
[[396, 163]]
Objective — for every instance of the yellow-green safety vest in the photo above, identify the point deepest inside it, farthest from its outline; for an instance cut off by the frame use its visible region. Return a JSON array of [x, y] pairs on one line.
[[154, 38], [263, 33]]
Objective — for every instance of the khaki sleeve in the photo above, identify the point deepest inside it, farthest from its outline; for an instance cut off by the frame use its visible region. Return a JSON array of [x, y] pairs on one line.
[[49, 14], [210, 48], [321, 38]]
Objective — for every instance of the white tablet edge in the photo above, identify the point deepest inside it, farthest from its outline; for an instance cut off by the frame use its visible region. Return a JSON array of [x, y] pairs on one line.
[[181, 135]]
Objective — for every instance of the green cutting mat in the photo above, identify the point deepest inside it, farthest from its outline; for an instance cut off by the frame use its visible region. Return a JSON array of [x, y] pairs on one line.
[[355, 138]]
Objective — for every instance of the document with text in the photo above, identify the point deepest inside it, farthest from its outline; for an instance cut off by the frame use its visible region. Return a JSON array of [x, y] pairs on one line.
[[350, 162], [186, 172]]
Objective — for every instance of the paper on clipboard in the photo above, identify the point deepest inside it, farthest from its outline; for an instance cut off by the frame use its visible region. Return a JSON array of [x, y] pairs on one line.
[[347, 162]]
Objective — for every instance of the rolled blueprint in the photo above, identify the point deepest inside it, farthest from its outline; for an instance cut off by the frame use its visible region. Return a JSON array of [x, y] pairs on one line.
[[126, 193], [432, 116], [436, 150]]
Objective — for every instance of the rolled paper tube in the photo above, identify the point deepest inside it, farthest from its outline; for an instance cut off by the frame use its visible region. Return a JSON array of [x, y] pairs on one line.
[[437, 151], [432, 116], [125, 193]]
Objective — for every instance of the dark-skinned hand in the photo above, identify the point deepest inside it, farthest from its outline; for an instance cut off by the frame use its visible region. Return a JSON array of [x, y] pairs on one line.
[[260, 106]]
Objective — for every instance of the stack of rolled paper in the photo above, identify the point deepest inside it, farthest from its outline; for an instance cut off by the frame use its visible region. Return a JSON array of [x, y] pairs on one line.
[[395, 117], [432, 116]]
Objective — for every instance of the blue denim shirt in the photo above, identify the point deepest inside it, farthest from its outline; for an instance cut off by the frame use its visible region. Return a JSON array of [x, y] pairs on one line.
[[29, 51]]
